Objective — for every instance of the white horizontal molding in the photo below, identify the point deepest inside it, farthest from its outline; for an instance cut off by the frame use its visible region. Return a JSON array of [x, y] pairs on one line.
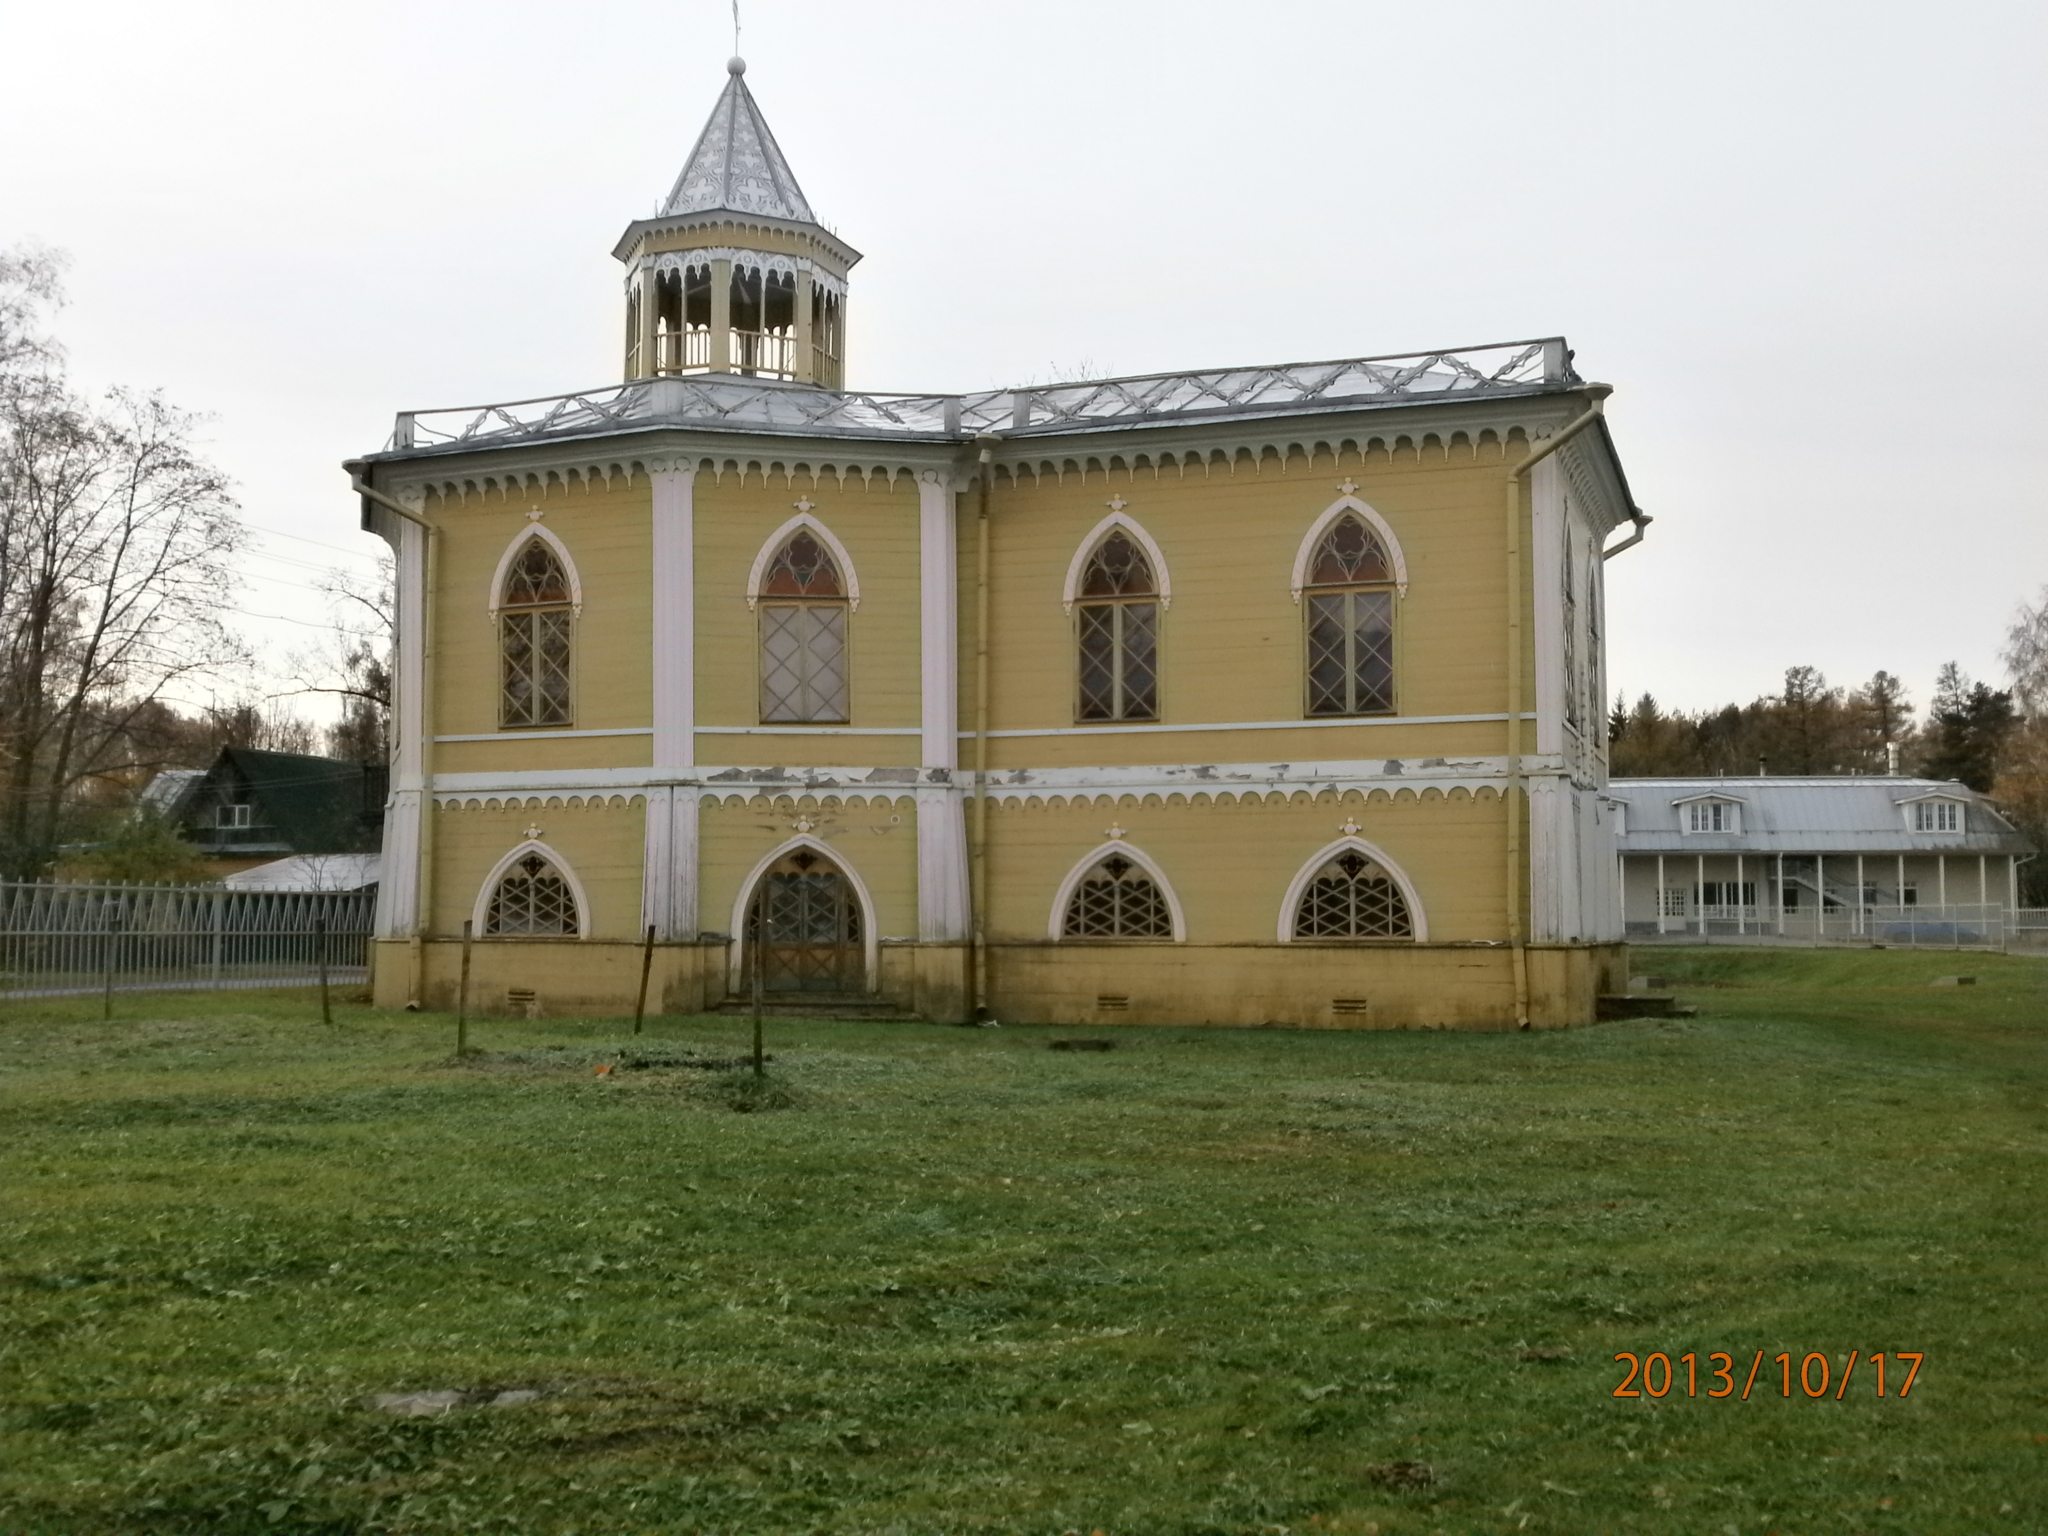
[[809, 730], [1387, 774], [1350, 722], [636, 730]]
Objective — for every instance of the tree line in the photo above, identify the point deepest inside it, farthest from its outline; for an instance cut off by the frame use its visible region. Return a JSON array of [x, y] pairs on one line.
[[1995, 740]]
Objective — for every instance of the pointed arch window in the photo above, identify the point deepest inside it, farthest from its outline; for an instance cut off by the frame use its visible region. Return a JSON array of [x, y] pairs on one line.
[[802, 601], [532, 899], [1117, 616], [1348, 604], [536, 609], [1352, 896], [1117, 899]]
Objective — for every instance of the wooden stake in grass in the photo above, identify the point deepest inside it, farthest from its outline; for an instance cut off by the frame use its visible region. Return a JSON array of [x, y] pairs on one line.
[[462, 996], [754, 987], [320, 946], [646, 965], [113, 939]]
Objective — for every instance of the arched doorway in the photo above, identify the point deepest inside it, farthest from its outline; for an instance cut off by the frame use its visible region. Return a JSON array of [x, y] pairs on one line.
[[806, 920]]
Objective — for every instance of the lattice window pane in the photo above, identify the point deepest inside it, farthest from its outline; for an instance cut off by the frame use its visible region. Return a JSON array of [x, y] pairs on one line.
[[1139, 654], [1328, 655], [532, 900], [1372, 651], [803, 661], [534, 653], [1117, 900], [1352, 897], [1098, 662]]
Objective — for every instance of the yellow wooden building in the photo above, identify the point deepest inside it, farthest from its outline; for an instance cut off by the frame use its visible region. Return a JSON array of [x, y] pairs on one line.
[[1264, 695]]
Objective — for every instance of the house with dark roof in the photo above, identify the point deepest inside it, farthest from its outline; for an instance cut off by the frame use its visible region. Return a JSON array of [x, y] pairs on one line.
[[251, 807]]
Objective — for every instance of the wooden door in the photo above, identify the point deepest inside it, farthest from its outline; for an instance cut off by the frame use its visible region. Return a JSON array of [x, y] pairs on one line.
[[807, 922]]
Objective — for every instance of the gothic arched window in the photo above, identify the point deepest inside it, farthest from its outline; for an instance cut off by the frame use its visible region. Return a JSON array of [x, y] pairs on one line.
[[1117, 899], [803, 608], [536, 604], [1352, 896], [1348, 599], [1118, 633], [532, 899]]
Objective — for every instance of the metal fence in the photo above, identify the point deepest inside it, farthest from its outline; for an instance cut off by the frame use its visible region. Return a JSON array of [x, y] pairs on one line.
[[2027, 929], [1958, 925], [62, 939]]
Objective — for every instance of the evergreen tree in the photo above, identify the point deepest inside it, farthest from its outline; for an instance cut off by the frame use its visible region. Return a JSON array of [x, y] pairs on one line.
[[1966, 730]]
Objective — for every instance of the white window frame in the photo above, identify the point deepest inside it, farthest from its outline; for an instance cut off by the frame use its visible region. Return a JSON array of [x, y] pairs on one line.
[[1722, 817], [1928, 816], [234, 816]]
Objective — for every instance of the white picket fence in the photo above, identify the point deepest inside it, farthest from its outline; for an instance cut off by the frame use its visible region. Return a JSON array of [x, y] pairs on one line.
[[63, 938], [1957, 925]]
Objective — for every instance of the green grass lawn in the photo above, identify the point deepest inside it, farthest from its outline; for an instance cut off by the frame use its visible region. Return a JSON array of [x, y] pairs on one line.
[[952, 1280]]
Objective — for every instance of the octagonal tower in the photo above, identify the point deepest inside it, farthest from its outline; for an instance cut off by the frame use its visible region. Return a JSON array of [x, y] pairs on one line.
[[734, 275]]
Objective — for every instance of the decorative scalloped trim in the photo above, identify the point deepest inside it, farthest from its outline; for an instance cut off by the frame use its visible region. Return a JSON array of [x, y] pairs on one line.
[[574, 800]]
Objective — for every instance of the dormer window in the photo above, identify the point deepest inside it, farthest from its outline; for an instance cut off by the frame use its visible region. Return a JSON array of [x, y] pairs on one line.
[[1713, 816], [1937, 816], [234, 818]]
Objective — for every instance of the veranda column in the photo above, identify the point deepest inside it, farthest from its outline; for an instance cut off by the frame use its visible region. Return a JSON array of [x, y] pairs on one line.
[[398, 891], [1741, 919], [1983, 890], [1699, 891], [1941, 880], [721, 315], [668, 889], [1860, 890], [805, 366], [942, 885], [1660, 893], [1781, 895]]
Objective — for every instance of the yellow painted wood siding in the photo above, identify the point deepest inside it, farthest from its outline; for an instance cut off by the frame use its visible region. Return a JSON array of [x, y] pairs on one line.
[[1231, 864], [877, 841], [1232, 642], [735, 515], [607, 531], [602, 843]]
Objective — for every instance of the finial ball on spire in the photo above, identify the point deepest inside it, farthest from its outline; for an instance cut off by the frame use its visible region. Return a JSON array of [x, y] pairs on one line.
[[735, 65]]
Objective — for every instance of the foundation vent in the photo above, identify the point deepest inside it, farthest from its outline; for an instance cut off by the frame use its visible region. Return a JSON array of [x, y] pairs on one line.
[[1348, 1007], [1112, 1003], [523, 1001]]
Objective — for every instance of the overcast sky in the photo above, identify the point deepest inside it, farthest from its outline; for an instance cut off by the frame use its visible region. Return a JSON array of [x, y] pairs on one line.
[[1805, 242]]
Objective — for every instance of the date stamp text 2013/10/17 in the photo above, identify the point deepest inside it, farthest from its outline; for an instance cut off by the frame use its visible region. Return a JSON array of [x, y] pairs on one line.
[[1658, 1375]]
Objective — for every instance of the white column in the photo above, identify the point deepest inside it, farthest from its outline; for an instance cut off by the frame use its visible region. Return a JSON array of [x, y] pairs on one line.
[[398, 887], [1660, 893], [1983, 889], [1899, 895], [942, 883], [1941, 878], [674, 566], [1781, 895], [1740, 920], [1859, 893], [1699, 891]]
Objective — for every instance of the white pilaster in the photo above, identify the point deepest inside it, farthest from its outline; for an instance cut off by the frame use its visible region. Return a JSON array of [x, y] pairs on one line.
[[942, 884], [683, 913], [657, 869], [398, 885], [674, 562], [1547, 520]]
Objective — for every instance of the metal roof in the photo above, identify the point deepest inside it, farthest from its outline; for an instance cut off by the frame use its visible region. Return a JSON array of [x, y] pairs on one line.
[[1808, 815], [720, 402], [736, 165]]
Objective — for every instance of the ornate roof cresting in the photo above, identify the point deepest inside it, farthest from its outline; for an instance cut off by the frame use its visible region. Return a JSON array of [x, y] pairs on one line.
[[737, 165], [730, 404]]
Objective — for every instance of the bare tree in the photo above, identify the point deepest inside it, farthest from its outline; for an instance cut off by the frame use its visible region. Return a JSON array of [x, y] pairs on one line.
[[354, 664], [2026, 653], [114, 541]]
